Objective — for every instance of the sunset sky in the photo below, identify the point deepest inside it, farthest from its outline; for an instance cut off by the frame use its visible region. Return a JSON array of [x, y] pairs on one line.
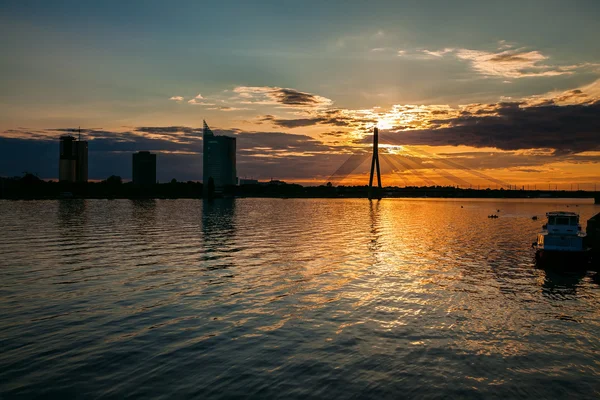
[[508, 89]]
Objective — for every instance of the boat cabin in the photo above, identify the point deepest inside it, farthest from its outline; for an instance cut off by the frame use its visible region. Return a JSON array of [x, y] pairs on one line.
[[562, 222], [562, 232]]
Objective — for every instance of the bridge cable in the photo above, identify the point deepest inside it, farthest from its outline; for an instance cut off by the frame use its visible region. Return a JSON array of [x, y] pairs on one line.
[[454, 164]]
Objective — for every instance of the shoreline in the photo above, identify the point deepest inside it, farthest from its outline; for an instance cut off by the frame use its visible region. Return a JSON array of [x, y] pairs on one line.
[[591, 198]]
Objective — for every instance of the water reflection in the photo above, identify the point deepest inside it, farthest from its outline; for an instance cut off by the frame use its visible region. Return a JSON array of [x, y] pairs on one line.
[[72, 220], [561, 285], [289, 298], [374, 217], [71, 212], [143, 215], [218, 232]]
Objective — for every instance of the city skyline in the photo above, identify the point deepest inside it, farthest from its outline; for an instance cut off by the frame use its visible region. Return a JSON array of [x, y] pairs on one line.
[[515, 96]]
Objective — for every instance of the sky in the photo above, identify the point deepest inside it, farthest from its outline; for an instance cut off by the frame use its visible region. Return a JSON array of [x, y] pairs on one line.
[[464, 92]]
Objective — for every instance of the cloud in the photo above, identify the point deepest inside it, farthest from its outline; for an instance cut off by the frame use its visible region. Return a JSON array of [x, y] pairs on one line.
[[503, 45], [583, 95], [174, 131], [198, 102], [227, 108], [438, 53], [528, 170], [506, 62], [280, 96], [332, 117], [566, 129], [176, 98], [179, 151], [515, 63], [565, 124], [292, 123], [337, 134]]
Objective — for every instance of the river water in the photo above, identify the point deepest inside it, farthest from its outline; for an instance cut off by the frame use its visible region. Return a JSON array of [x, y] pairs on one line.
[[291, 298]]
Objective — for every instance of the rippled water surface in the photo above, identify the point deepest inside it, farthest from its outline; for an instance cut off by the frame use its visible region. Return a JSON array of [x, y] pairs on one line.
[[290, 299]]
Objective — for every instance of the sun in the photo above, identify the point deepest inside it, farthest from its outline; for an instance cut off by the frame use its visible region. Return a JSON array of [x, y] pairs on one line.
[[385, 124]]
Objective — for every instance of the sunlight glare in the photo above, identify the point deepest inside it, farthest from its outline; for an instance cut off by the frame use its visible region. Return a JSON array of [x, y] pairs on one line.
[[385, 124]]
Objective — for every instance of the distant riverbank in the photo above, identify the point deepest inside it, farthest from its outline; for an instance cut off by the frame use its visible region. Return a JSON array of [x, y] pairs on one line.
[[31, 187]]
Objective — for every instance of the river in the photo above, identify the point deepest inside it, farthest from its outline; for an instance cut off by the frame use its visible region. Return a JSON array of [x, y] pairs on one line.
[[291, 298]]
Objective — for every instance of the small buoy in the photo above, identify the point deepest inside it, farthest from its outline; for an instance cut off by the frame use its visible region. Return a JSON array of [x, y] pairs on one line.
[[534, 218], [497, 210], [461, 207]]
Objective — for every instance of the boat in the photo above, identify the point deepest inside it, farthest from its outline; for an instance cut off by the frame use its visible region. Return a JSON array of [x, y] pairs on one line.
[[561, 241]]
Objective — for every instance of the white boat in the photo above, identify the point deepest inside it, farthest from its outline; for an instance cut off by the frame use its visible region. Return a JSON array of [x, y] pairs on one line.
[[561, 240]]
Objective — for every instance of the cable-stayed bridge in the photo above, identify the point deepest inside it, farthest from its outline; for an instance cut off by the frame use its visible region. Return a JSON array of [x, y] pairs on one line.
[[415, 167]]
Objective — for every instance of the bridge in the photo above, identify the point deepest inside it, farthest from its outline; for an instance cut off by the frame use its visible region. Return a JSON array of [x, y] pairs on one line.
[[408, 164]]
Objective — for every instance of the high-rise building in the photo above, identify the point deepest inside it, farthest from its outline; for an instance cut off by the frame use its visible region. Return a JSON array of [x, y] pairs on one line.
[[219, 159], [82, 161], [73, 160], [144, 168]]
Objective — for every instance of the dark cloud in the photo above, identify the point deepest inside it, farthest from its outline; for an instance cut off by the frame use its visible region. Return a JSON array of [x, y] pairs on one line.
[[571, 95], [284, 96], [260, 154], [334, 134], [528, 170], [329, 117], [505, 57], [294, 97], [292, 123], [169, 130], [565, 129]]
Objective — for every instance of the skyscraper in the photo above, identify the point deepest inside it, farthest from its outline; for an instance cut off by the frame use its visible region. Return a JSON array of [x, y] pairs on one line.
[[219, 159], [82, 161], [73, 160], [144, 168]]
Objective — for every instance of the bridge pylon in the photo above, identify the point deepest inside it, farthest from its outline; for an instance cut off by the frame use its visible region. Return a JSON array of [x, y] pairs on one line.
[[375, 163]]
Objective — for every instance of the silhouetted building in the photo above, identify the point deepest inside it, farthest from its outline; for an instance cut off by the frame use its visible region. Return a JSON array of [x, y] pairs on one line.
[[219, 160], [248, 182], [73, 161], [144, 168]]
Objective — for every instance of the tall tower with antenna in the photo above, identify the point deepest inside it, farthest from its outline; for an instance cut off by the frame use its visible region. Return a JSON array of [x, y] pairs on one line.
[[218, 160], [374, 163]]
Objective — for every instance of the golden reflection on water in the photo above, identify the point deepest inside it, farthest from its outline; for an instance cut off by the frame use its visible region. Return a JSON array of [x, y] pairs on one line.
[[298, 289]]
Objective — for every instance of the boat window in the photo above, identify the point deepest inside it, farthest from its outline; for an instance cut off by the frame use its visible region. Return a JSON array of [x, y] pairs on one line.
[[551, 220], [573, 221], [562, 221]]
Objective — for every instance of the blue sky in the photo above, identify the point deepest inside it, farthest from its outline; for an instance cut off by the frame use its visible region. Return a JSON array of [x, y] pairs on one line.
[[113, 66]]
